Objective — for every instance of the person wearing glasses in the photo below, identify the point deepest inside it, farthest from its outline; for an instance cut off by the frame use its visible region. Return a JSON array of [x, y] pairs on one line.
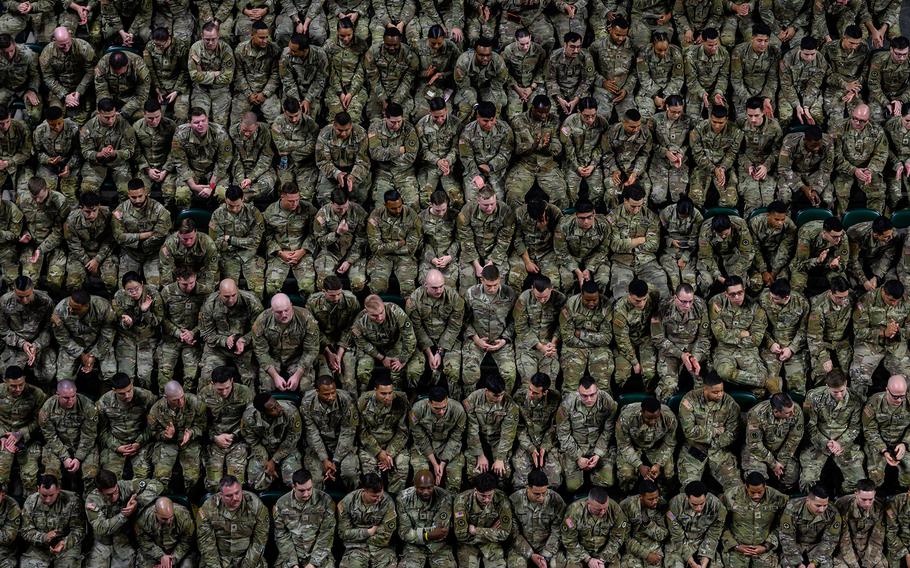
[[880, 321], [886, 419], [858, 168]]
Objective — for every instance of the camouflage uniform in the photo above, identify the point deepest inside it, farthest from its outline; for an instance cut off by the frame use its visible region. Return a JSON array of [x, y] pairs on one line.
[[884, 427], [685, 231], [134, 348], [180, 311], [773, 248], [441, 437], [440, 239], [203, 160], [21, 323], [489, 318], [394, 337], [438, 143], [639, 444], [536, 323], [485, 238], [536, 432], [217, 322], [538, 242], [871, 316], [354, 518], [797, 167], [724, 256], [156, 540], [648, 532], [668, 182], [569, 78], [526, 71], [705, 74], [586, 335], [657, 77], [350, 156], [582, 145], [710, 429], [437, 324], [488, 543], [131, 16], [93, 238], [809, 246], [866, 148], [535, 527], [393, 240], [786, 328], [271, 439], [121, 423], [202, 257], [582, 249], [170, 74], [805, 535], [737, 359], [587, 536], [896, 528], [64, 516], [391, 76], [899, 147], [304, 530], [169, 450], [674, 334], [346, 75], [632, 332], [95, 136], [335, 322], [537, 146], [255, 71], [337, 248], [128, 90], [862, 540], [296, 12], [751, 524], [19, 73], [138, 254], [44, 222], [393, 154], [753, 74], [111, 529], [587, 432], [10, 231], [289, 348], [416, 518], [153, 150], [697, 15], [492, 428], [761, 147], [91, 333], [711, 150], [615, 63], [843, 67], [19, 415], [827, 337], [384, 429], [224, 416], [783, 15], [476, 147], [63, 146], [11, 515], [233, 538], [694, 535], [475, 82], [295, 144], [71, 71], [212, 73], [69, 433], [800, 81], [237, 237], [635, 262], [330, 432], [253, 158], [830, 419], [771, 440], [289, 231]]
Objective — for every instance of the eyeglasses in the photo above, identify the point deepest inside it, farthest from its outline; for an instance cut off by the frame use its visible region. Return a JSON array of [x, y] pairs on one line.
[[896, 396]]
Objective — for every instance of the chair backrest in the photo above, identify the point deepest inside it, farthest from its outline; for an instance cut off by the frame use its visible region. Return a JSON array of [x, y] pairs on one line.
[[901, 219], [200, 216], [856, 216], [813, 214], [720, 210]]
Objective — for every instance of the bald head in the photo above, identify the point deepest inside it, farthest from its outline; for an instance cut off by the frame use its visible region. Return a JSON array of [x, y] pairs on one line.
[[172, 390], [282, 308], [423, 477], [435, 283], [228, 292], [164, 511], [65, 387], [860, 116], [66, 394], [896, 392], [62, 34]]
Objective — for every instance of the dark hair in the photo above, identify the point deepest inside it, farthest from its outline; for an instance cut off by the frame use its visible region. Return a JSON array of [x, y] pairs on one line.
[[233, 193], [106, 479], [13, 372], [813, 132], [638, 288], [370, 481], [632, 115], [900, 42], [732, 281], [495, 384], [587, 381], [538, 478], [342, 118], [818, 491], [881, 224], [438, 393], [332, 282], [437, 103], [780, 401], [571, 37], [894, 288], [720, 223], [587, 102], [393, 109], [53, 113], [777, 206], [291, 105], [23, 283], [853, 32], [118, 60], [301, 476], [809, 43], [712, 379], [696, 489], [224, 373], [104, 105], [485, 481], [589, 287], [131, 276], [489, 272], [634, 192], [81, 296], [541, 283], [650, 404], [598, 494], [709, 33], [865, 484], [121, 381], [436, 31], [755, 479], [151, 105], [486, 109], [761, 28], [47, 481], [718, 111], [540, 380], [839, 284], [260, 400], [780, 288], [646, 486]]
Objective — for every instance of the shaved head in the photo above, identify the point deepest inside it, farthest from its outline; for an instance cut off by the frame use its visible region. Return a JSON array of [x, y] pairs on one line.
[[282, 308], [66, 387], [164, 506], [435, 284], [897, 384], [227, 286], [423, 477], [173, 389], [61, 34]]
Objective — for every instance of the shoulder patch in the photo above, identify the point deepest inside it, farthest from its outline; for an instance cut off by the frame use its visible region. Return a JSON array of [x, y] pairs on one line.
[[687, 404]]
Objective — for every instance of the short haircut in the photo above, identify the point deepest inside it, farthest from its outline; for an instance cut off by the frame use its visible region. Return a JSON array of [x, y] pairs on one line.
[[650, 404], [696, 489], [865, 484], [370, 481], [538, 478], [151, 105], [818, 491], [894, 288], [301, 476], [489, 273], [777, 206], [260, 400], [485, 481], [486, 109], [105, 479], [832, 224], [437, 103], [780, 401], [598, 494], [780, 288], [438, 393], [540, 380], [712, 379], [121, 381], [638, 288], [233, 193], [755, 479], [106, 105]]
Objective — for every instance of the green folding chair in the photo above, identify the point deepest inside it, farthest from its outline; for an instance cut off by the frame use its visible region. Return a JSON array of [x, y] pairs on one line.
[[199, 216], [721, 211], [856, 216], [813, 214], [901, 219], [631, 398]]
